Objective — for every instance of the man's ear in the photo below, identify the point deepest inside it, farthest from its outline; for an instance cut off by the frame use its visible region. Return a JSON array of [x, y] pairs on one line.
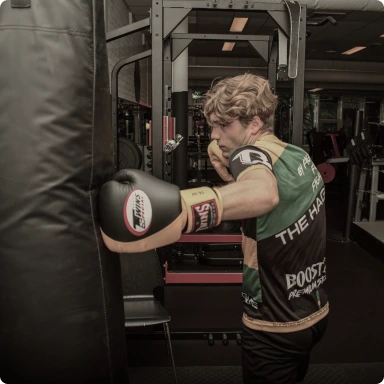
[[256, 125]]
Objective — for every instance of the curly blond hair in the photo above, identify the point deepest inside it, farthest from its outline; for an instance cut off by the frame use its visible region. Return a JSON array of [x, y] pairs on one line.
[[242, 97]]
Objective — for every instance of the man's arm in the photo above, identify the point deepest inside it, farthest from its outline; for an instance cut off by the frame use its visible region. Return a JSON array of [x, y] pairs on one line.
[[254, 194]]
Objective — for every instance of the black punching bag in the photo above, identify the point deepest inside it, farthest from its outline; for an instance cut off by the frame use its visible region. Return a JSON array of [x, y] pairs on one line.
[[61, 310]]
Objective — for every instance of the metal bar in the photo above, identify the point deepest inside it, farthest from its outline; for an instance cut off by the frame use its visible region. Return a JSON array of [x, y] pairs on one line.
[[224, 5], [210, 238], [352, 182], [187, 334], [127, 30], [115, 97], [157, 87], [339, 113], [106, 15], [360, 193], [201, 278], [227, 37], [168, 337], [316, 113], [298, 88], [374, 187], [167, 63], [335, 146], [272, 67], [282, 73]]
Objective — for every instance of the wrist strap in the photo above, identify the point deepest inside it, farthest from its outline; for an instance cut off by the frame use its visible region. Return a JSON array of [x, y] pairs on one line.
[[204, 208]]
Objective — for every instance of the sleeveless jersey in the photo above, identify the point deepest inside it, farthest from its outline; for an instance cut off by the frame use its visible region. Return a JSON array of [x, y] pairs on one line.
[[284, 270]]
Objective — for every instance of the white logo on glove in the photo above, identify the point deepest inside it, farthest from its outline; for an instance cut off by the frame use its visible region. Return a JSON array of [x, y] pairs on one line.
[[1, 381], [252, 157], [138, 212]]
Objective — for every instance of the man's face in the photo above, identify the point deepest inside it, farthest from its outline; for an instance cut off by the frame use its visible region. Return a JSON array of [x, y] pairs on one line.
[[229, 137]]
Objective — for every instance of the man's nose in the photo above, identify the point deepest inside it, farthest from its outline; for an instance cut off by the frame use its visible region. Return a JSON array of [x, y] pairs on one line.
[[214, 134]]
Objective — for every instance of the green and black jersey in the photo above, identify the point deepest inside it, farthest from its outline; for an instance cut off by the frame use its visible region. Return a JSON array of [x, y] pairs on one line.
[[284, 251]]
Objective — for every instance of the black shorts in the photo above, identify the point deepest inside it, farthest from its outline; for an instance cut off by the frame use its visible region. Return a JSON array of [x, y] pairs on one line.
[[278, 358]]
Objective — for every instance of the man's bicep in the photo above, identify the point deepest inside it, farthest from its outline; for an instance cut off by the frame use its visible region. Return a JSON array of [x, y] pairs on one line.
[[258, 173]]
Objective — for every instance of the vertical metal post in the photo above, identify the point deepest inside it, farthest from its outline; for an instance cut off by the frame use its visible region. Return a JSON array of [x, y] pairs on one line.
[[374, 187], [282, 55], [352, 182], [298, 87], [382, 110], [316, 113], [272, 68], [137, 120], [168, 157], [106, 15], [114, 116], [167, 70], [180, 112], [360, 194], [157, 87], [339, 113]]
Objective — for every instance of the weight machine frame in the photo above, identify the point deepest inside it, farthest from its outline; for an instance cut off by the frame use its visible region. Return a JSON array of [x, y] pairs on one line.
[[284, 52]]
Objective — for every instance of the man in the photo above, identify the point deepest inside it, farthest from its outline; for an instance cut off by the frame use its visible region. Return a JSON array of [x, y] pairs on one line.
[[285, 302], [279, 195]]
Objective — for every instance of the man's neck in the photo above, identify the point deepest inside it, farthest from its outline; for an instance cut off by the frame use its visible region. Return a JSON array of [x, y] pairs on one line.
[[258, 136]]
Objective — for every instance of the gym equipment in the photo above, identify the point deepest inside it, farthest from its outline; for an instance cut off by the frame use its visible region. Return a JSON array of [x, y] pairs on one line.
[[198, 152], [325, 153], [327, 172], [126, 122], [130, 155], [62, 318], [200, 126], [369, 158]]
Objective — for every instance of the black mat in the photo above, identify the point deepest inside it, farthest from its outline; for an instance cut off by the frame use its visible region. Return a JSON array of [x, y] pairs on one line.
[[317, 374]]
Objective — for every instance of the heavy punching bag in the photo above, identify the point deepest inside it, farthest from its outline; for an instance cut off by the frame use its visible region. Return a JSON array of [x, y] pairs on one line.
[[61, 309]]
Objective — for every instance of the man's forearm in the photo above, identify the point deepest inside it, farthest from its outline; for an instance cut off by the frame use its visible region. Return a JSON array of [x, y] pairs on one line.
[[248, 198]]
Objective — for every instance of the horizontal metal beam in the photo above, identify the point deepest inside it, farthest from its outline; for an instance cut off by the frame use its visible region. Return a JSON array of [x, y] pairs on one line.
[[127, 30], [205, 36], [225, 5]]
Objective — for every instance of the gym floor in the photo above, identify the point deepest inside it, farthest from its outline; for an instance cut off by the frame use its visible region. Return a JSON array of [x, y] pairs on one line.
[[352, 349]]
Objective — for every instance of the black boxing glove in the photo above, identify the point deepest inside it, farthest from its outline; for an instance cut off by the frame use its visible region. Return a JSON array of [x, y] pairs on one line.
[[139, 212]]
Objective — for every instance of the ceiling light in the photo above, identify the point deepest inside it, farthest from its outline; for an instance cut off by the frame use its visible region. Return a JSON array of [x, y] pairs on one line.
[[315, 89], [228, 46], [330, 51], [353, 50], [238, 24], [382, 36]]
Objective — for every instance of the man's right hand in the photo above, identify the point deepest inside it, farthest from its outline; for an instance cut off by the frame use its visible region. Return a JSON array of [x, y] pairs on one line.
[[219, 162], [139, 212]]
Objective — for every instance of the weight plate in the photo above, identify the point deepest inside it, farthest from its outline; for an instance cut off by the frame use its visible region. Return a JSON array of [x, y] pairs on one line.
[[130, 155]]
